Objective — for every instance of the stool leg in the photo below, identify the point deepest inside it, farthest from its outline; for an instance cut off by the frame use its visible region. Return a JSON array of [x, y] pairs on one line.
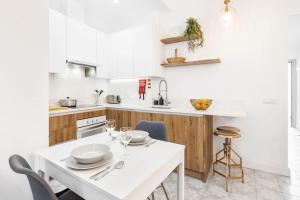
[[229, 163], [165, 191], [242, 172], [240, 165], [217, 154], [227, 168]]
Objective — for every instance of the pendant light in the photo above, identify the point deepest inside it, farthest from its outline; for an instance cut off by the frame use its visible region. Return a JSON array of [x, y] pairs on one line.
[[226, 17]]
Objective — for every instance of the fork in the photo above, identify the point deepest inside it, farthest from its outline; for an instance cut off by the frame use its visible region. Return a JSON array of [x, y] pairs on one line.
[[150, 143]]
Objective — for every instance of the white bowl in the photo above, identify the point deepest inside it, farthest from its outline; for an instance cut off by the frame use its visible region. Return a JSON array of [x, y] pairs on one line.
[[90, 153], [138, 136]]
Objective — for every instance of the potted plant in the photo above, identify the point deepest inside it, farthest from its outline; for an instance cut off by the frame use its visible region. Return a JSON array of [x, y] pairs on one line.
[[194, 33]]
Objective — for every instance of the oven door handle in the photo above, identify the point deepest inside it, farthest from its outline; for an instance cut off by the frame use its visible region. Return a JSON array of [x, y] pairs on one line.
[[90, 128]]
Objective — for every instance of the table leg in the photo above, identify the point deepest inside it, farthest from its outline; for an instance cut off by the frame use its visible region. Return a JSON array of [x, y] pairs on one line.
[[44, 176], [180, 182]]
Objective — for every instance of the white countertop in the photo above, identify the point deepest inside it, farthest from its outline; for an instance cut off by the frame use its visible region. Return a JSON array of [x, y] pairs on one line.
[[223, 110]]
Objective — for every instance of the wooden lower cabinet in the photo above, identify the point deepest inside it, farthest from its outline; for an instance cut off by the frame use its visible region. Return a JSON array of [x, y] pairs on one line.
[[193, 132], [63, 128]]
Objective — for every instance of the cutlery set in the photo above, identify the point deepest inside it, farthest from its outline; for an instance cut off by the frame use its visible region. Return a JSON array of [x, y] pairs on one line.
[[107, 170], [99, 155]]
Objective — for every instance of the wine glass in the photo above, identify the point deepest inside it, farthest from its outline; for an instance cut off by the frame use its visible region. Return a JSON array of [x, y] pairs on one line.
[[126, 136], [110, 126]]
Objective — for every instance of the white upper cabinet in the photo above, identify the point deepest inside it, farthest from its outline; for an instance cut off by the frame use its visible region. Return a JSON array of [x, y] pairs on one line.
[[123, 52], [145, 48], [134, 53], [57, 42], [103, 55], [81, 42]]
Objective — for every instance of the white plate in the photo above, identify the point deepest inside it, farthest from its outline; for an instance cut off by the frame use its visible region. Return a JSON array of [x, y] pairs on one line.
[[90, 153], [146, 141], [138, 136], [73, 164]]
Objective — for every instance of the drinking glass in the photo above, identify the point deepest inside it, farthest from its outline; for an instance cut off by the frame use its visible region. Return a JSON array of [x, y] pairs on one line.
[[110, 126], [126, 136]]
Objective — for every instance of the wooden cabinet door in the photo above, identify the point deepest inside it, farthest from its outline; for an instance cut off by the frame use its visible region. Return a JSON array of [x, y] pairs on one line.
[[99, 113], [62, 129], [185, 130]]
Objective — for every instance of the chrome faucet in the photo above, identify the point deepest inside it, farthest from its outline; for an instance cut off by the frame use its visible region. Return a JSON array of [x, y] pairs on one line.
[[166, 102]]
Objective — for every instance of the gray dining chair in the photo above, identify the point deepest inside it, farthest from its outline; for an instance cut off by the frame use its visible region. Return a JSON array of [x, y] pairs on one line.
[[39, 188], [157, 130]]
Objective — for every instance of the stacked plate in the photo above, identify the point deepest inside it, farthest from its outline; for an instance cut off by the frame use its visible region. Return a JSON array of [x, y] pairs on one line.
[[139, 138], [89, 156]]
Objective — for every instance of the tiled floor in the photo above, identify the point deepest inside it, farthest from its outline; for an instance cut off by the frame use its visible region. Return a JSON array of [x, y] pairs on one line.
[[258, 186]]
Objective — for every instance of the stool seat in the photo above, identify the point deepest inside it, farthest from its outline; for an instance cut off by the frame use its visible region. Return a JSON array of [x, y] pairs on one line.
[[227, 135], [228, 129]]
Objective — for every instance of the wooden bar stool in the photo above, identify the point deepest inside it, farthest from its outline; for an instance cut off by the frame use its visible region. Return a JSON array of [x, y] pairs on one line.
[[228, 133]]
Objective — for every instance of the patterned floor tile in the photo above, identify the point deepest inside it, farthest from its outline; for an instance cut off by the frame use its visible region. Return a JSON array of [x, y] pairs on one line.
[[265, 194]]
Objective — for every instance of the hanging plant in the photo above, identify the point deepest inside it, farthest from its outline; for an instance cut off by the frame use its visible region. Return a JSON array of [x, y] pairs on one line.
[[194, 33]]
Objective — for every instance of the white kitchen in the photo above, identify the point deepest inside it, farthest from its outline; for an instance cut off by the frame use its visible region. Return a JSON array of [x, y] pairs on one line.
[[149, 99]]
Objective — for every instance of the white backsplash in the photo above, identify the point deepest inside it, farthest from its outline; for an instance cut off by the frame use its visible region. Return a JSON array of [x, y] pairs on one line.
[[75, 85], [128, 90]]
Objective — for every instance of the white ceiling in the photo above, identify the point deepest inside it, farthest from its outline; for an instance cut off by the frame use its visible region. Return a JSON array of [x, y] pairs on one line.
[[108, 16]]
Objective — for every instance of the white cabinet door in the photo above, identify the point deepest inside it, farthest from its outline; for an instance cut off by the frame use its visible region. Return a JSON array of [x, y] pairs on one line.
[[103, 55], [57, 42], [143, 51], [123, 53], [82, 42]]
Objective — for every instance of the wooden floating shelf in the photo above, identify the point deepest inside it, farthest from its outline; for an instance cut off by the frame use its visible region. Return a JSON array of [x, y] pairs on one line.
[[172, 40], [197, 62]]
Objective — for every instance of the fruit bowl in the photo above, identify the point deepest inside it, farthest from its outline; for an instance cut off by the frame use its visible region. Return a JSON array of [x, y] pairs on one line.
[[201, 104]]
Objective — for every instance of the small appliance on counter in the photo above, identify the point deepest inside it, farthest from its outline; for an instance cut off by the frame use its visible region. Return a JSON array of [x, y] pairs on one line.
[[113, 99], [69, 103]]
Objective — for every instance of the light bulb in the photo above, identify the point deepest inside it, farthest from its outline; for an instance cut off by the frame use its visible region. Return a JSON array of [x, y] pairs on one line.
[[226, 17]]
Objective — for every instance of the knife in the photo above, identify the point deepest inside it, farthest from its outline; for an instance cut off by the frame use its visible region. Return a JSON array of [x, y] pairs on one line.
[[103, 170]]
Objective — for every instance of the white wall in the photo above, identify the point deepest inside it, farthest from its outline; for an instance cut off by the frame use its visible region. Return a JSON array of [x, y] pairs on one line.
[[75, 85], [253, 51], [293, 7], [24, 88]]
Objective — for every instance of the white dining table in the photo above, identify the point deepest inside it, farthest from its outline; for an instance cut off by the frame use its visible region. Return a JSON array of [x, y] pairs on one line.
[[145, 168]]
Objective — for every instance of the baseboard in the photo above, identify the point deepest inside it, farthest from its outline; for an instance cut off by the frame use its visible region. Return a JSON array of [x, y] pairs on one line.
[[266, 168]]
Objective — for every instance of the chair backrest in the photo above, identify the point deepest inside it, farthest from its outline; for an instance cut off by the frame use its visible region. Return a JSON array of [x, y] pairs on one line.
[[157, 130], [39, 188]]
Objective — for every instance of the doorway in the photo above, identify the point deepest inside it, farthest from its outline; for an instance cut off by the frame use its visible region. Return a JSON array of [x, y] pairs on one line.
[[294, 95]]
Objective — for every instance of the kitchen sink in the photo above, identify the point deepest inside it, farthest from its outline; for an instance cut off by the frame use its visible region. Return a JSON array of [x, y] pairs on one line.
[[88, 106], [161, 107]]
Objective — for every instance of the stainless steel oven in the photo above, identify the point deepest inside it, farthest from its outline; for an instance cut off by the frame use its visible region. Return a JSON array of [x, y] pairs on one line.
[[90, 126]]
